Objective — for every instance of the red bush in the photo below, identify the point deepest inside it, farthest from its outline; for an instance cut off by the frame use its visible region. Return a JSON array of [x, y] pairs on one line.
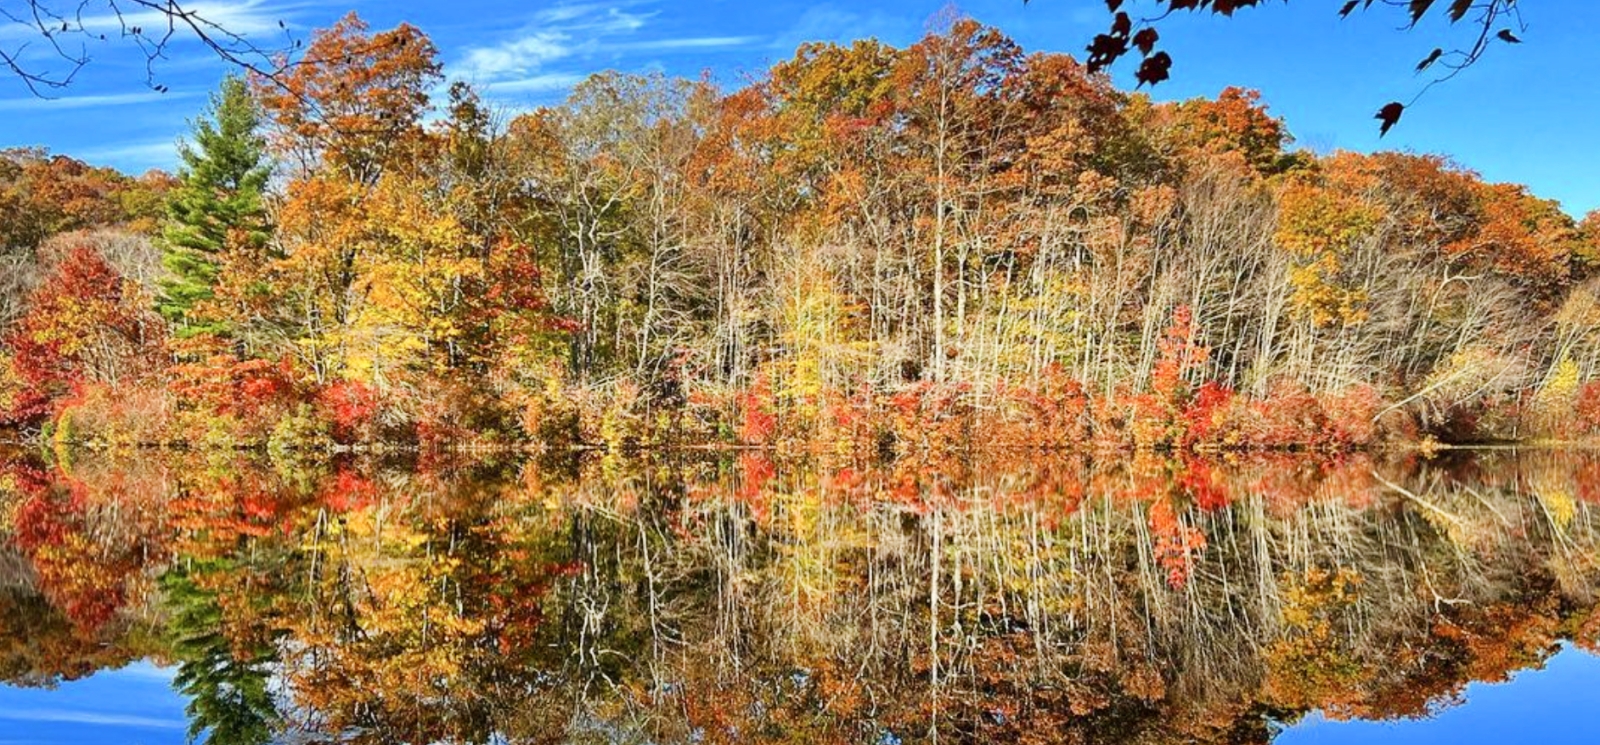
[[757, 422], [1204, 417], [1588, 407], [351, 407]]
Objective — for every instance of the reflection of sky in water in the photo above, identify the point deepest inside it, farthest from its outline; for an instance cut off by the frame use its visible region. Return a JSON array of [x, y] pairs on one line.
[[132, 706], [1552, 706]]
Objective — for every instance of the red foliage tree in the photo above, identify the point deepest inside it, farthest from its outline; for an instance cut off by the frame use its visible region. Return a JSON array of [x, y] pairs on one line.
[[85, 324]]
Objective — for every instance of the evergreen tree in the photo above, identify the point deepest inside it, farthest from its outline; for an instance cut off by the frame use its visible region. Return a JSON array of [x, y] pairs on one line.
[[218, 205], [230, 702]]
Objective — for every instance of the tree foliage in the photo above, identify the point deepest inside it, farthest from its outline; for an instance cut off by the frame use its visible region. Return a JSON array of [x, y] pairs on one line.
[[870, 248], [217, 205]]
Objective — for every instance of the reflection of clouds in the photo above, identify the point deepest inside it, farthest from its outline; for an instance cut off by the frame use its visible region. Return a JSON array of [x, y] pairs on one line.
[[114, 704], [147, 670], [75, 716]]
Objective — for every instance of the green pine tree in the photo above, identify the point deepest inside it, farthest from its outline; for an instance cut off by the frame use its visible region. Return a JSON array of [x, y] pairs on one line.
[[217, 204], [230, 702]]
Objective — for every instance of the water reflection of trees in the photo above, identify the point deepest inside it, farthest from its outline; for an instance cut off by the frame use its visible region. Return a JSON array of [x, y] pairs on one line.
[[705, 600]]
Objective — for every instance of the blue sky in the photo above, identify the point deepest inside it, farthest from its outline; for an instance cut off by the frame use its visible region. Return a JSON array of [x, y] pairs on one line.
[[131, 706], [1523, 114], [1551, 706]]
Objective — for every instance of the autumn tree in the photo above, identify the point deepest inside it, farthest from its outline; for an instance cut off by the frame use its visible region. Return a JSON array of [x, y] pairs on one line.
[[354, 101], [44, 194], [350, 110], [85, 324]]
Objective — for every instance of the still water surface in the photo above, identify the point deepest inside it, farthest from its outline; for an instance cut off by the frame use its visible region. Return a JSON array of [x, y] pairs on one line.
[[1020, 599]]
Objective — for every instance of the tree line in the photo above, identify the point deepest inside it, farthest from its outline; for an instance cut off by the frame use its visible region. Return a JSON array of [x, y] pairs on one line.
[[863, 246]]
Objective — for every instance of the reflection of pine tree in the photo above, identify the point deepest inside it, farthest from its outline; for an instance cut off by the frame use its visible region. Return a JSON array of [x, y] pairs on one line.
[[228, 697]]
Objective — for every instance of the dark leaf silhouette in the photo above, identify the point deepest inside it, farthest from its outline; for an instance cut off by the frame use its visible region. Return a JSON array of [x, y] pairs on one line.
[[1105, 50], [1389, 115], [1155, 68], [1122, 25], [1120, 37], [1146, 40], [1430, 59], [1419, 8]]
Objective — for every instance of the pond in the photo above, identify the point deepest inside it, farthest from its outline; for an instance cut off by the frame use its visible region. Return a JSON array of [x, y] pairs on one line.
[[741, 597]]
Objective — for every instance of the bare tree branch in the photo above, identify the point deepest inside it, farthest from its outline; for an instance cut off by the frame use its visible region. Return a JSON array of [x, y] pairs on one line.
[[70, 27]]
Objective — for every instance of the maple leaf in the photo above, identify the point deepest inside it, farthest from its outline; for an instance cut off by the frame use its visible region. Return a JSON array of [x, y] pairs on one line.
[[1155, 68], [1389, 115], [1105, 50], [1146, 40]]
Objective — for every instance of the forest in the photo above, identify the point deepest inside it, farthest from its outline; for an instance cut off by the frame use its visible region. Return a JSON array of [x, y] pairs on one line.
[[957, 244]]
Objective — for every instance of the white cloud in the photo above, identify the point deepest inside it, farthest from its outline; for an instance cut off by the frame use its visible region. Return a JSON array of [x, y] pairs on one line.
[[35, 103], [514, 58], [546, 56], [69, 716], [608, 18], [697, 42], [825, 22], [244, 18], [134, 157], [541, 83]]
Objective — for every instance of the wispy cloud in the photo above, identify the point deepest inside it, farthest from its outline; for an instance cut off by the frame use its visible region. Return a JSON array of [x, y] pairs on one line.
[[251, 18], [134, 156], [34, 103], [248, 17], [69, 716], [547, 55], [514, 58], [824, 22], [540, 83], [694, 42]]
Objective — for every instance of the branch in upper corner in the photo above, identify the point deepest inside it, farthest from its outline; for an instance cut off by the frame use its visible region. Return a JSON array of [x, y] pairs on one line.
[[155, 27], [1492, 21]]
